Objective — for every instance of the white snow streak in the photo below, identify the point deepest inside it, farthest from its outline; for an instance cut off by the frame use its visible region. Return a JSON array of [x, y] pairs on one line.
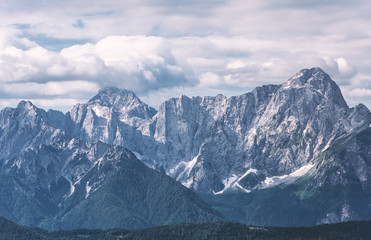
[[233, 181], [87, 188], [276, 180]]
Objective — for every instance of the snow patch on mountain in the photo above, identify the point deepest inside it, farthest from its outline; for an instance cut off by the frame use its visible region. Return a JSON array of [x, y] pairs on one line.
[[228, 183], [138, 155], [72, 187], [184, 169], [87, 189], [233, 181], [242, 188], [286, 179], [251, 170], [101, 111], [201, 142]]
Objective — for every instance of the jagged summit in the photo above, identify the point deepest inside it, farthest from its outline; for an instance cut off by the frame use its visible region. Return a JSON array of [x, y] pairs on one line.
[[124, 102], [314, 77], [115, 97], [315, 82], [26, 104], [113, 92], [274, 135], [27, 112], [307, 75]]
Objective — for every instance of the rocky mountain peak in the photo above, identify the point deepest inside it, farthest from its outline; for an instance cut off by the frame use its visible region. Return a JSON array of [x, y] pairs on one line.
[[315, 80], [26, 105], [276, 134], [312, 86], [115, 97], [122, 101], [313, 76], [28, 112]]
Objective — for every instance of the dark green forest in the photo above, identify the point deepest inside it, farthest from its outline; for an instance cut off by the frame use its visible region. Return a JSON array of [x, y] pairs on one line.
[[221, 230]]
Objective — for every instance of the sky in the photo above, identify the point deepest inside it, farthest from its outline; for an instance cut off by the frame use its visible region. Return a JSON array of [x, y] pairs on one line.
[[60, 53]]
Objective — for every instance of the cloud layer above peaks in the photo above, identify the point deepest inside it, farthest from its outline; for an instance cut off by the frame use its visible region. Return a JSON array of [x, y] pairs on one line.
[[58, 53], [138, 63]]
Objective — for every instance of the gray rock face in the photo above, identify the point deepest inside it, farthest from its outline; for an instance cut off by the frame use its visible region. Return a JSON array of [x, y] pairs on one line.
[[275, 129], [273, 135], [73, 184], [47, 175], [209, 143], [27, 126]]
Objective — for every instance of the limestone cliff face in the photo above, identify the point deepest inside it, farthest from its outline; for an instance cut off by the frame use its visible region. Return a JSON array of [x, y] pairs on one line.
[[209, 143], [274, 135]]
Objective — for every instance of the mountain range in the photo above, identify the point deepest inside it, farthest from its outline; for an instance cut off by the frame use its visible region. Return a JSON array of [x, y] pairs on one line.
[[281, 155]]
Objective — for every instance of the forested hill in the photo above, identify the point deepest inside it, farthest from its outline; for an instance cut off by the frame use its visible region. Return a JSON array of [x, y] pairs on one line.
[[226, 231], [10, 230]]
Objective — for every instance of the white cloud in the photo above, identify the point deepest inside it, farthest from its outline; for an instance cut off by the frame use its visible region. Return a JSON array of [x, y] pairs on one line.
[[143, 64], [51, 88], [236, 64], [62, 104], [209, 79], [207, 46], [20, 65], [361, 81], [135, 62], [359, 92], [344, 67], [355, 96], [204, 64]]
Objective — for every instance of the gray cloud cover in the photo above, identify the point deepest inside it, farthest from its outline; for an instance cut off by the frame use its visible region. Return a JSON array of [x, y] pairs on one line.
[[57, 53]]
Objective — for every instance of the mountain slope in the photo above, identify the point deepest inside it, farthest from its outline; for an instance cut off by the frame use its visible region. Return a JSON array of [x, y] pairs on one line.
[[336, 189], [265, 144], [136, 197], [10, 230], [75, 184], [274, 130], [211, 144], [27, 125], [267, 157]]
